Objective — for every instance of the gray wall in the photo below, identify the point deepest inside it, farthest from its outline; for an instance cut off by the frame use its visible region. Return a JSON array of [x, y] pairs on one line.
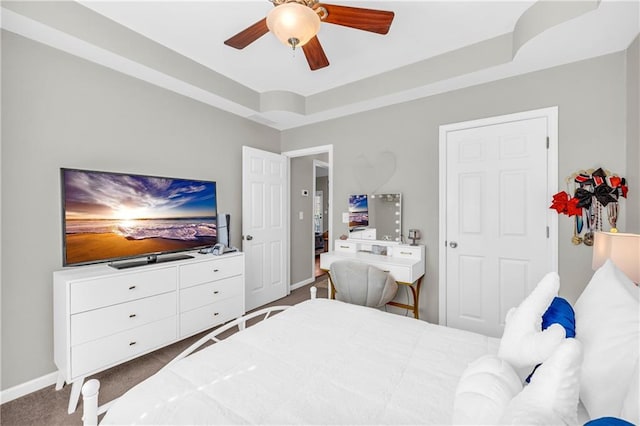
[[633, 137], [592, 122], [61, 111]]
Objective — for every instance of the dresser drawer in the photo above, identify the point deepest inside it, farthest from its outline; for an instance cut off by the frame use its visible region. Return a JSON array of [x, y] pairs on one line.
[[100, 292], [406, 252], [210, 315], [215, 269], [345, 246], [205, 294], [117, 348], [98, 323]]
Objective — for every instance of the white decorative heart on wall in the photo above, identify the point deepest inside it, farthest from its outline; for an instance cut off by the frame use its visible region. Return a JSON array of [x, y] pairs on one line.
[[373, 171]]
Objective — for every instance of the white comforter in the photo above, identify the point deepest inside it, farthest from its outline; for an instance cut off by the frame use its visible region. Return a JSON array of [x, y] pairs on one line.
[[319, 362]]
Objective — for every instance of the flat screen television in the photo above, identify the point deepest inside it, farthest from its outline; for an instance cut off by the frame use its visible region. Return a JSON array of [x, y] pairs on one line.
[[110, 217]]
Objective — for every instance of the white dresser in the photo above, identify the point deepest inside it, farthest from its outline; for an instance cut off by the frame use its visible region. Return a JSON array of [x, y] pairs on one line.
[[104, 317], [405, 263]]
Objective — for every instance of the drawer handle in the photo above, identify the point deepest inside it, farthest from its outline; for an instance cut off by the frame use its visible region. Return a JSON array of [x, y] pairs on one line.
[[132, 316], [216, 270], [216, 292], [345, 247], [132, 287], [405, 252], [215, 314], [132, 343]]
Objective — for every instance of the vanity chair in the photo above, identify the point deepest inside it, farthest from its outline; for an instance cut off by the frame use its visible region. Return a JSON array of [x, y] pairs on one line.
[[362, 284]]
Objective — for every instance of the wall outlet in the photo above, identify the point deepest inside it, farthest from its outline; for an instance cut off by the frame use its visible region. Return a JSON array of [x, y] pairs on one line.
[[301, 215]]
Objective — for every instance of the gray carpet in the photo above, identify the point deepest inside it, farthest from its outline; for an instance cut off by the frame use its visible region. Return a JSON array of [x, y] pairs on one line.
[[49, 407]]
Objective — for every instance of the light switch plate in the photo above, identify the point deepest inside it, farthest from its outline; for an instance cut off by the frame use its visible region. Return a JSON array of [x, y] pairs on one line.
[[345, 217]]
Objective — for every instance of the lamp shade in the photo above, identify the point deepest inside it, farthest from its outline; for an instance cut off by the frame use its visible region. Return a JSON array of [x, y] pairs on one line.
[[293, 24], [622, 249]]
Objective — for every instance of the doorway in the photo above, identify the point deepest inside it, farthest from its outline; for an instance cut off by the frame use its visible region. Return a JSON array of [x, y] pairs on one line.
[[310, 169], [320, 213], [497, 235]]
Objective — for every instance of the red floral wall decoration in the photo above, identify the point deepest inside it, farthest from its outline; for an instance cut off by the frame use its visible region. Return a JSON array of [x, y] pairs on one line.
[[591, 196]]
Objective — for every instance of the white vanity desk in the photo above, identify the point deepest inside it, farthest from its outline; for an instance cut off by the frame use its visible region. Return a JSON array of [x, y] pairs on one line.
[[405, 263]]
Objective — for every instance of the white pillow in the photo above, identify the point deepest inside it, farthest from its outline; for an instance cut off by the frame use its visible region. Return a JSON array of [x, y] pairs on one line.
[[552, 396], [484, 390], [607, 325], [524, 344]]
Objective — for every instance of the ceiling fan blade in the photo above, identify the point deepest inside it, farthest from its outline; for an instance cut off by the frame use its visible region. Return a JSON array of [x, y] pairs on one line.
[[375, 21], [315, 54], [248, 35]]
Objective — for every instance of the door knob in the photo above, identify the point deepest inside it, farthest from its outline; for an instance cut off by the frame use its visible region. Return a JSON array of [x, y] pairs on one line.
[[249, 238], [453, 244]]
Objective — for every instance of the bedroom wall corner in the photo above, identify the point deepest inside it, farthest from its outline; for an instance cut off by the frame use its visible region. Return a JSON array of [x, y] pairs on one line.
[[633, 136]]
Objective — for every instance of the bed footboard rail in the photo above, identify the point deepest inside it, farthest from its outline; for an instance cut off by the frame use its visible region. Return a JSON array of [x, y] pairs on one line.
[[214, 336], [91, 388]]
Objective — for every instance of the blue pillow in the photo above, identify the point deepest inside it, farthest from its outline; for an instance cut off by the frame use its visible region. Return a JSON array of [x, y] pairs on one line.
[[558, 312], [608, 421]]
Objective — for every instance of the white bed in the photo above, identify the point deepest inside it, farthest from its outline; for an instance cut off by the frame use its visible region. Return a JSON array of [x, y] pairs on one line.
[[328, 362], [319, 362]]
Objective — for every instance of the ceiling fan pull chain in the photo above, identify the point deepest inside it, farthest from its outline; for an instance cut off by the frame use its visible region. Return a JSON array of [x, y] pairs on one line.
[[293, 42]]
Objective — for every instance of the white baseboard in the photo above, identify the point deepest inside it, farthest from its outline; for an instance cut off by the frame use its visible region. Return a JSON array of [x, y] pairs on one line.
[[28, 387], [302, 283]]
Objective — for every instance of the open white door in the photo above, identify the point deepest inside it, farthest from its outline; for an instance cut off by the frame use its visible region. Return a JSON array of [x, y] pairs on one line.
[[264, 227]]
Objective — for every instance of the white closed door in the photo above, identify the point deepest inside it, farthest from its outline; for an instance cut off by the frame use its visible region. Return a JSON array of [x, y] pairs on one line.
[[264, 231], [497, 242]]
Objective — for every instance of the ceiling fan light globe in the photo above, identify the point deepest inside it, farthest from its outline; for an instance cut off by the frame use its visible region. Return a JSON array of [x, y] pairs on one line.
[[293, 21]]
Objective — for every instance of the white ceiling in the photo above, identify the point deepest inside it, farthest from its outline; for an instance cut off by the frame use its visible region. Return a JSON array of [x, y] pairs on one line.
[[420, 30], [367, 70]]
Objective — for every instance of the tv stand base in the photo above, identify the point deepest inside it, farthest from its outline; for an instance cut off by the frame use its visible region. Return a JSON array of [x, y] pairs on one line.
[[149, 260]]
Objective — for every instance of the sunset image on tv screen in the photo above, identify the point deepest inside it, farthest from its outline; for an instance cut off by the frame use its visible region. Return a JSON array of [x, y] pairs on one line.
[[110, 216]]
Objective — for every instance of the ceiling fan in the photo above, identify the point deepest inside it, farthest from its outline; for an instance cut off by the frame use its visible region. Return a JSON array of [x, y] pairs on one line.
[[296, 23]]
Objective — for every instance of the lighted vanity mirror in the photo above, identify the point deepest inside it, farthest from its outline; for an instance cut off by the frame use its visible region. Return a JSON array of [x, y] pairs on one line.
[[375, 217]]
